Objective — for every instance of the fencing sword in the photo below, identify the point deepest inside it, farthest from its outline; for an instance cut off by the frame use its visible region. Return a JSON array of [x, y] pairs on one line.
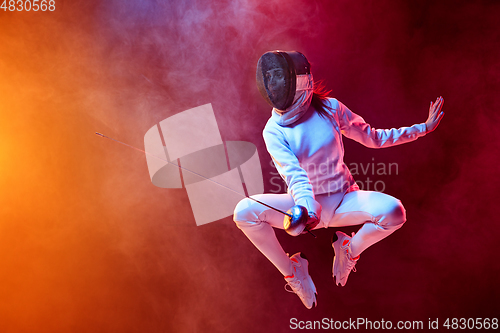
[[295, 218]]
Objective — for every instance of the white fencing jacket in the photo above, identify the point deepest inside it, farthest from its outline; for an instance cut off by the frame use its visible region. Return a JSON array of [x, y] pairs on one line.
[[307, 149]]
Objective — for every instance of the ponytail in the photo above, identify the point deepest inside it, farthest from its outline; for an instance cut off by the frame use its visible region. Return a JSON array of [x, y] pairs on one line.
[[320, 100]]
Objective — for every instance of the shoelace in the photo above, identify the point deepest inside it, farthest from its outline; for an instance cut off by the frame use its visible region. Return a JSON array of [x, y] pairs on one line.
[[295, 285], [351, 264]]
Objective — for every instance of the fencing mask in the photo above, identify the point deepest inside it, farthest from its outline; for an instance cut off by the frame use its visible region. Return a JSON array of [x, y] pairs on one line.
[[276, 76]]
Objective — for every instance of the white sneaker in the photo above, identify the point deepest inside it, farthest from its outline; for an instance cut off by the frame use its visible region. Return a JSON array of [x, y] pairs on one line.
[[300, 282], [343, 262]]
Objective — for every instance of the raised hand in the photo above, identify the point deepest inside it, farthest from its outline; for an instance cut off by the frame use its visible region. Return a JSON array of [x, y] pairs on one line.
[[435, 114]]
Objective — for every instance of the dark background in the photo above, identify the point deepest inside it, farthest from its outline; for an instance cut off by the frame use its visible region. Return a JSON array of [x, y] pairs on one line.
[[89, 244]]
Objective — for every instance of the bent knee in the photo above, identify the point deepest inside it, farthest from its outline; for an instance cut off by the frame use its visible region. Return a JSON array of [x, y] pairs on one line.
[[395, 216], [244, 213]]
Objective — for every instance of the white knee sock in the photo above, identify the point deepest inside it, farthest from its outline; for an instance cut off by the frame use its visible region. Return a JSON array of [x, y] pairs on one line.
[[264, 238], [369, 234]]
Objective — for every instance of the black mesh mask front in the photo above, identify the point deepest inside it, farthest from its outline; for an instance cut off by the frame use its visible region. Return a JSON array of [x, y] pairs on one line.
[[276, 76]]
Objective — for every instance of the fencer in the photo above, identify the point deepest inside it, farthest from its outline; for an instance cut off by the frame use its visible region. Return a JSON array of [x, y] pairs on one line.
[[304, 138]]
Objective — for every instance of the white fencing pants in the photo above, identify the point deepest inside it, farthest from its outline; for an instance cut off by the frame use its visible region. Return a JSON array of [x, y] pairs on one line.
[[379, 213]]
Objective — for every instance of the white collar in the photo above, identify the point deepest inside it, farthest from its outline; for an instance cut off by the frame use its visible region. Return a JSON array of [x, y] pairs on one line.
[[301, 102]]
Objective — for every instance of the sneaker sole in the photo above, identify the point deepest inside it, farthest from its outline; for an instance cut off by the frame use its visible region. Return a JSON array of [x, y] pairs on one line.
[[309, 280], [336, 249]]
